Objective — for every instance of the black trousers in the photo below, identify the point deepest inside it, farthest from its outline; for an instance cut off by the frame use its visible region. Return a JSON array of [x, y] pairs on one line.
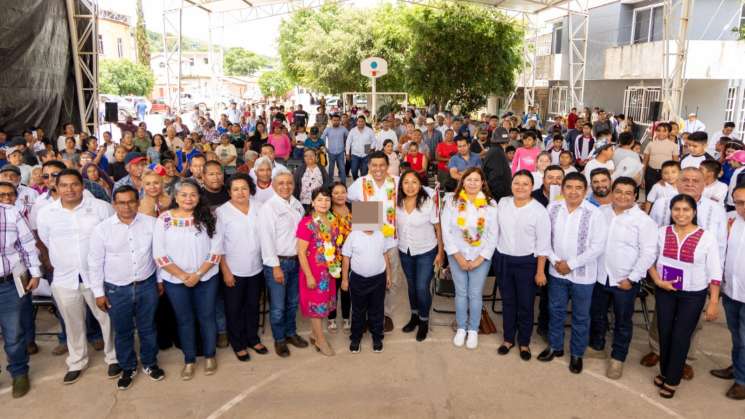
[[345, 302], [651, 176], [517, 287], [368, 297], [678, 314], [165, 324], [242, 311], [543, 306]]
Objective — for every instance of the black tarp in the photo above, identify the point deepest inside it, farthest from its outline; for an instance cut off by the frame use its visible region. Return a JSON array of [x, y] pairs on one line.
[[36, 84]]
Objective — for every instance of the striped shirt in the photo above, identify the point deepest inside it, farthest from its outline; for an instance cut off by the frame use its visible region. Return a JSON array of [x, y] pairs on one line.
[[17, 242]]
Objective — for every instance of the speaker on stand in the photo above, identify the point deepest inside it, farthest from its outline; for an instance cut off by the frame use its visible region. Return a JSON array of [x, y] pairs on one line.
[[655, 110], [111, 114]]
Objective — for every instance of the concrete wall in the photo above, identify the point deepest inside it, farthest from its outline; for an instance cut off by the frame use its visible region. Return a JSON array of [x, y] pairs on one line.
[[708, 99]]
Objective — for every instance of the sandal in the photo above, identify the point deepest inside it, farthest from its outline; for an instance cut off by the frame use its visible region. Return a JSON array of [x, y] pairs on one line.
[[667, 392], [260, 349]]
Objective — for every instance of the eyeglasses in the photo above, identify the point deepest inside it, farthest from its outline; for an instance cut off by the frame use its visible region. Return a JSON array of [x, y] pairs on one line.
[[47, 175]]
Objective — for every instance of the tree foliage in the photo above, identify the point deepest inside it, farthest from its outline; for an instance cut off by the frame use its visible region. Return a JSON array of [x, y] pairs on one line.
[[242, 62], [141, 38], [123, 77], [274, 83], [444, 53]]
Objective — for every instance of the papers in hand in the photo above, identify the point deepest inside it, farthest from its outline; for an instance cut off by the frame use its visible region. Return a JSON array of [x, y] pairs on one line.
[[21, 279]]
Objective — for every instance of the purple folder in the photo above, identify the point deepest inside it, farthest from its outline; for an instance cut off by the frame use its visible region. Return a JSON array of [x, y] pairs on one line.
[[674, 275]]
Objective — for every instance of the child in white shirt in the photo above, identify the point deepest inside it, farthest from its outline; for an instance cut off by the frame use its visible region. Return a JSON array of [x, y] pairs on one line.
[[666, 187], [714, 189], [365, 253]]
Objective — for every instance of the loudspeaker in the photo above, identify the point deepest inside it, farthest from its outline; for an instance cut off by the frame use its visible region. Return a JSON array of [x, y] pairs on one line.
[[112, 112], [655, 109]]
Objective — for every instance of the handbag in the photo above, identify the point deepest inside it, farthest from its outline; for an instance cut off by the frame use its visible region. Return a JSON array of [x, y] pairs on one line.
[[486, 326]]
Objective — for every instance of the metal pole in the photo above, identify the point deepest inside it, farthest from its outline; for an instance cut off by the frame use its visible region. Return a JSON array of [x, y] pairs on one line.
[[677, 85], [374, 99], [73, 24], [178, 91], [166, 53]]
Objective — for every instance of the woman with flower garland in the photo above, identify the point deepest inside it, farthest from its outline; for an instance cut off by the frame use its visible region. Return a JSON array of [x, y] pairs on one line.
[[469, 233], [318, 242], [343, 213]]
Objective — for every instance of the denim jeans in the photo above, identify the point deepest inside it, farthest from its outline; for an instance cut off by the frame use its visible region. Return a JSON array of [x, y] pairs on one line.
[[133, 307], [283, 299], [469, 289], [735, 312], [191, 305], [338, 161], [359, 166], [623, 310], [27, 320], [220, 320], [419, 271], [10, 324], [560, 290]]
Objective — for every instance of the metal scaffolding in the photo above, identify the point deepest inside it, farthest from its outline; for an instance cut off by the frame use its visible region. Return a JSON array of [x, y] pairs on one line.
[[82, 17], [173, 11], [528, 63], [579, 24], [674, 55]]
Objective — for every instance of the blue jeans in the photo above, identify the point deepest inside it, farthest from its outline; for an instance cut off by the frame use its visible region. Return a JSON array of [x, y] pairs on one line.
[[220, 320], [359, 166], [623, 310], [469, 289], [10, 324], [338, 161], [419, 271], [133, 306], [560, 290], [735, 312], [195, 304], [27, 320], [283, 299]]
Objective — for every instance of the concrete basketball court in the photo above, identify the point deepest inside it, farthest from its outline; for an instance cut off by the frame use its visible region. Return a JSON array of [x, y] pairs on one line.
[[431, 379]]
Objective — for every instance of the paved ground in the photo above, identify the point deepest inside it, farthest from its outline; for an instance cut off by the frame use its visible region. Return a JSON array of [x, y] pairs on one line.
[[408, 380]]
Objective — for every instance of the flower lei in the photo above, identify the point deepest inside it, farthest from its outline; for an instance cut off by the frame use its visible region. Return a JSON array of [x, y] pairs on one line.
[[328, 250], [480, 204], [368, 190]]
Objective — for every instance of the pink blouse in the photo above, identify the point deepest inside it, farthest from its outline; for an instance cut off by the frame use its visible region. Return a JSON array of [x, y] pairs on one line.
[[525, 158], [282, 145]]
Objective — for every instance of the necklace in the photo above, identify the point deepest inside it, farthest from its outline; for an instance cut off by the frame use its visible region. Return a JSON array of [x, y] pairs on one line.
[[480, 203], [368, 191], [328, 249]]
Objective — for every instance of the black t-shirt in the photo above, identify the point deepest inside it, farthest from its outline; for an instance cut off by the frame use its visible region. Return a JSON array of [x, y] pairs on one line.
[[477, 147], [215, 199], [540, 197], [117, 170], [299, 118]]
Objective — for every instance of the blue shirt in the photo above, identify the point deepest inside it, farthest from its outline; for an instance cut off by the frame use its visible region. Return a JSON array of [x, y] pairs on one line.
[[336, 137], [180, 158], [458, 162]]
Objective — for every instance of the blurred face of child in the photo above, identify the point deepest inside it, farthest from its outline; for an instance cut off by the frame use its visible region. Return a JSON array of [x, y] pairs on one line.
[[565, 160], [696, 149], [670, 175]]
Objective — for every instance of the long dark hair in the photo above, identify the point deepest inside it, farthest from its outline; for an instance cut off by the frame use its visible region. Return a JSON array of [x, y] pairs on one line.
[[421, 196], [331, 188], [484, 185], [202, 215], [688, 200]]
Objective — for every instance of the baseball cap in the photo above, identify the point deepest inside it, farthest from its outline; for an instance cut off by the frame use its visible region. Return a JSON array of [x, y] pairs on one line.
[[133, 157], [11, 168], [738, 156], [157, 168]]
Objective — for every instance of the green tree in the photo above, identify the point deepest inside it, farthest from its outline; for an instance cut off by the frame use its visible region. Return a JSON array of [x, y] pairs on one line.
[[274, 83], [242, 62], [123, 77], [141, 38]]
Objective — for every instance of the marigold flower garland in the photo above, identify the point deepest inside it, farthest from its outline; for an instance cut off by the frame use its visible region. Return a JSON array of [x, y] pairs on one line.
[[480, 203], [368, 189], [329, 248]]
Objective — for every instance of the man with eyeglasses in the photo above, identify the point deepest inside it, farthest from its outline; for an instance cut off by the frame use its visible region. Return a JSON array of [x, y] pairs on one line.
[[17, 253], [25, 196]]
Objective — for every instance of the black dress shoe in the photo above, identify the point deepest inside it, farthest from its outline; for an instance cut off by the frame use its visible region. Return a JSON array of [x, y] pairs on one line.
[[114, 371], [504, 349], [243, 358], [412, 324], [261, 350], [71, 377], [281, 349], [549, 354], [421, 333], [525, 354], [297, 341], [575, 364], [725, 373]]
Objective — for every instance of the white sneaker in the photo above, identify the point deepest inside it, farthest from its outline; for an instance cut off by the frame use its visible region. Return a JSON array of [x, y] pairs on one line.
[[460, 338], [332, 326], [473, 339]]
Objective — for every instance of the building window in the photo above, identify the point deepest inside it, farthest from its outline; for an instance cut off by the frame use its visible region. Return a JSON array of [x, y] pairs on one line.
[[100, 44], [557, 37], [637, 100], [119, 48], [647, 24], [730, 106]]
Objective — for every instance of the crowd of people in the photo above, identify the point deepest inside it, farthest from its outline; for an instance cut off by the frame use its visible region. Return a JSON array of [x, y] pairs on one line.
[[176, 235]]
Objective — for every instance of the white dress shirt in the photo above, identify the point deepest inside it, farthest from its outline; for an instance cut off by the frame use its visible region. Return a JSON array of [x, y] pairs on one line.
[[452, 235], [694, 126], [366, 252], [380, 193], [732, 184], [706, 266], [717, 192], [238, 233], [710, 216], [631, 247], [262, 195], [734, 264], [177, 241], [42, 201], [358, 139], [67, 233], [523, 231], [416, 230], [577, 238], [383, 135], [121, 254], [278, 221], [661, 190]]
